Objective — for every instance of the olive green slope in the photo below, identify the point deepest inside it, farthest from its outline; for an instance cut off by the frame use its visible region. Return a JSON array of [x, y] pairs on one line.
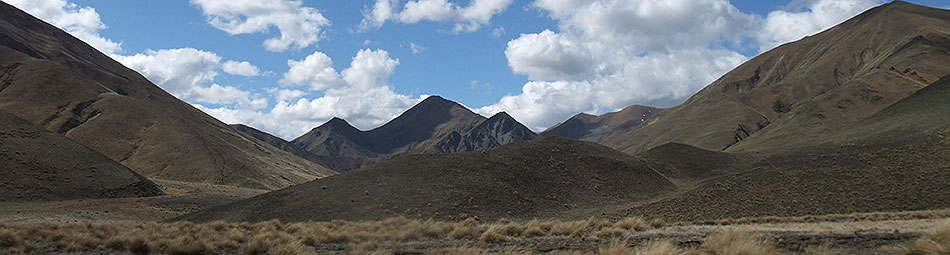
[[62, 84]]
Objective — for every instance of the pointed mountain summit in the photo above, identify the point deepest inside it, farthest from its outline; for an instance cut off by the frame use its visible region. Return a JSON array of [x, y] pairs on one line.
[[334, 138], [493, 132], [60, 83], [597, 128], [335, 163], [420, 127], [435, 125], [809, 87]]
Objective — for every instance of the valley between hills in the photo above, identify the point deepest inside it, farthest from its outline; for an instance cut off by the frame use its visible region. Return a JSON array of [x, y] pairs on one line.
[[833, 144]]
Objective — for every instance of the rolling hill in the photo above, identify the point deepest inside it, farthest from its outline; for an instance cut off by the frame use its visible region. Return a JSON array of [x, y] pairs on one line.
[[810, 87], [596, 128], [547, 177], [435, 125], [56, 81], [894, 160], [37, 165]]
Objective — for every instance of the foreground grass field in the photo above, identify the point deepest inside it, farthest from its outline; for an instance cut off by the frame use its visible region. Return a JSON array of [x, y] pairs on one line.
[[880, 233]]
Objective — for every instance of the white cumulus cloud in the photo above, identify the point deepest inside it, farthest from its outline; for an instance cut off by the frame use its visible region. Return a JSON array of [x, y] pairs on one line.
[[466, 19], [242, 68], [783, 26], [82, 22], [299, 26], [360, 94], [609, 54], [315, 71], [189, 74]]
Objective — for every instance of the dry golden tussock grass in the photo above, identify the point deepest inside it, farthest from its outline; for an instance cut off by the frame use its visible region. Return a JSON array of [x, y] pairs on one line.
[[273, 237], [375, 237], [738, 242], [936, 243], [726, 242]]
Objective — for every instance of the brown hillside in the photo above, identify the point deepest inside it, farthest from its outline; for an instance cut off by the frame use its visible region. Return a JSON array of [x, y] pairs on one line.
[[598, 128], [37, 165], [548, 177], [809, 87], [894, 160], [62, 84]]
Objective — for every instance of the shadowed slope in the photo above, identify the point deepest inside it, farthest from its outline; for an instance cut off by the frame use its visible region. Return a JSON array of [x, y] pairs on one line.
[[62, 84], [809, 87], [548, 177], [38, 165]]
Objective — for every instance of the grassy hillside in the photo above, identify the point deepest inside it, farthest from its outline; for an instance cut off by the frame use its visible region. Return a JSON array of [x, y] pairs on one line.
[[894, 160], [549, 177], [37, 165]]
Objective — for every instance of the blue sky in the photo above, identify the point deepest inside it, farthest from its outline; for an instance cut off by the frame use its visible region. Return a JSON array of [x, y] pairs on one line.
[[541, 60]]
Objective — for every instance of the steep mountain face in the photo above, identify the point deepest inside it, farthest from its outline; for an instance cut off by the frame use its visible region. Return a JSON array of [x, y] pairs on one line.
[[435, 125], [56, 81], [37, 165], [810, 87], [551, 177], [496, 131], [336, 138], [335, 163], [598, 128]]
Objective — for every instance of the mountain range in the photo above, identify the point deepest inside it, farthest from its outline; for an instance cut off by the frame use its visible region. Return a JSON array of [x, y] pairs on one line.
[[435, 125], [852, 119]]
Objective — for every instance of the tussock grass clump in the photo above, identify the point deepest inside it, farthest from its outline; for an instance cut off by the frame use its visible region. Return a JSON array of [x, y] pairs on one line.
[[726, 242], [738, 242], [936, 243], [615, 247], [8, 238], [663, 247]]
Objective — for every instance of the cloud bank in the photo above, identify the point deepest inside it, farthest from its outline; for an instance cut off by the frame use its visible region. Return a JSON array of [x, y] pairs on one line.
[[609, 54]]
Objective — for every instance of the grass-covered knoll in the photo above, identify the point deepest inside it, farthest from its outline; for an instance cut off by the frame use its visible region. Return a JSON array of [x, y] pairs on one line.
[[551, 177]]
